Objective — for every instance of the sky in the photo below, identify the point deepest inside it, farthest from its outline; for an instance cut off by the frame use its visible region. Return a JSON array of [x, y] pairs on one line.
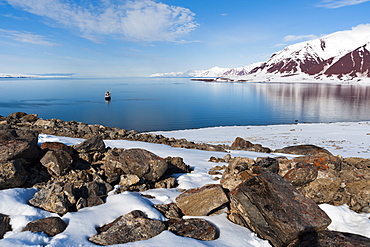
[[122, 38]]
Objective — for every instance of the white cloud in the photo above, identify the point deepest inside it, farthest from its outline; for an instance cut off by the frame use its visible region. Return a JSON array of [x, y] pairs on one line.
[[141, 20], [290, 38], [333, 4], [26, 37]]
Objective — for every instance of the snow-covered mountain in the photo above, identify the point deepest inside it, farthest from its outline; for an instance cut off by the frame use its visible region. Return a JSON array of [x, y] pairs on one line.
[[213, 72], [340, 56]]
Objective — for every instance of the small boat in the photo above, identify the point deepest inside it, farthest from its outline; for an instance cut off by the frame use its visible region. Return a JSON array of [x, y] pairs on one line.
[[107, 96]]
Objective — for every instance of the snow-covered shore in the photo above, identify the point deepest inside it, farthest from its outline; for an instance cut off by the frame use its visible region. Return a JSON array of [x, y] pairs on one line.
[[346, 139]]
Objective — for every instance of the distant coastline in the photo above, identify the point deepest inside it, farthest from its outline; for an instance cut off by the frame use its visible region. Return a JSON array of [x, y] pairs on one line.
[[35, 76]]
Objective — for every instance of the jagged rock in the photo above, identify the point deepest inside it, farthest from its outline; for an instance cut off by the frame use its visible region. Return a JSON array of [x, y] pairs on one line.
[[243, 144], [51, 226], [303, 150], [266, 164], [330, 239], [170, 211], [212, 197], [193, 228], [64, 194], [236, 172], [131, 227], [135, 161], [275, 210], [52, 198], [176, 165], [4, 225], [12, 174], [93, 144], [56, 146], [58, 162], [302, 174]]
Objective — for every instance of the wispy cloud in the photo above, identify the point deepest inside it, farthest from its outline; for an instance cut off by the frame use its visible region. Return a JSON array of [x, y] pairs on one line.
[[333, 4], [26, 37], [140, 20], [290, 38]]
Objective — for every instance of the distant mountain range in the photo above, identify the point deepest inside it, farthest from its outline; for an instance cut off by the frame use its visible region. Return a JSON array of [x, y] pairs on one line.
[[340, 56]]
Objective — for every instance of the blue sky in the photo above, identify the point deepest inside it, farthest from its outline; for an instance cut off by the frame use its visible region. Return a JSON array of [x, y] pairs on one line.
[[141, 37]]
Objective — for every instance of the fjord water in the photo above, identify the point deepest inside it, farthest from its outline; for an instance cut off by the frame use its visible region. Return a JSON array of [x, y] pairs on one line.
[[149, 104]]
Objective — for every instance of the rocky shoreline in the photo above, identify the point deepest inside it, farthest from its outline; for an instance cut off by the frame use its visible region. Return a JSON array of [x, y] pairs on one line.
[[275, 197]]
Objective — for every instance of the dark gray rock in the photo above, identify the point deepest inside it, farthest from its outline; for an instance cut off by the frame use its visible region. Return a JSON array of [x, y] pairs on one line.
[[93, 144], [135, 161], [275, 210], [266, 164], [4, 225], [51, 226], [193, 228], [131, 227], [12, 174], [170, 211], [330, 239], [58, 162]]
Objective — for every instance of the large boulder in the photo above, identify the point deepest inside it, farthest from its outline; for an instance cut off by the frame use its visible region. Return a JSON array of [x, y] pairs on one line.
[[135, 161], [275, 210], [12, 174], [131, 227], [303, 150], [19, 144], [212, 197], [51, 226], [243, 144]]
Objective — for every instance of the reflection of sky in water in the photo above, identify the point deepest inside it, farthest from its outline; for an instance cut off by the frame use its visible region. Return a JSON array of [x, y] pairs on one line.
[[163, 104]]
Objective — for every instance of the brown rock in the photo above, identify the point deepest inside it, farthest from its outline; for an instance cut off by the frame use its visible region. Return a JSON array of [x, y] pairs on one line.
[[51, 226], [193, 228], [303, 150], [56, 146], [275, 210], [212, 197], [302, 174], [58, 162], [4, 225], [243, 144], [136, 161]]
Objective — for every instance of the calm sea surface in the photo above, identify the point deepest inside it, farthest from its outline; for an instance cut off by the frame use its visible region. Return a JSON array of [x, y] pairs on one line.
[[149, 104]]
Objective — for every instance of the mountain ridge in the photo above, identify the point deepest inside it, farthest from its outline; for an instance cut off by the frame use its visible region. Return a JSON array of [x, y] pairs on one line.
[[340, 56]]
